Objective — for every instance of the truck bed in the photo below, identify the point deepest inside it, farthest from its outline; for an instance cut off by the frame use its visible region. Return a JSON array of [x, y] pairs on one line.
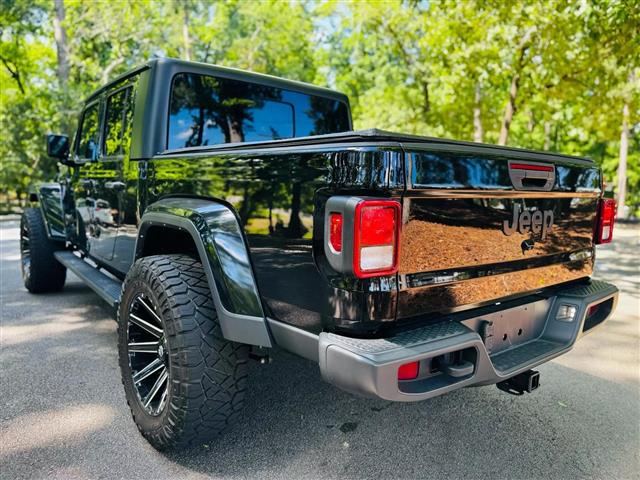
[[456, 198]]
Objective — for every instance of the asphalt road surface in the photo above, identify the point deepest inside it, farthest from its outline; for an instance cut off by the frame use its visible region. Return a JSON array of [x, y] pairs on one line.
[[63, 412]]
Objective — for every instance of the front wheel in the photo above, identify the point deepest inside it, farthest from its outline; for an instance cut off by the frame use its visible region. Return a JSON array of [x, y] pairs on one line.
[[183, 381], [41, 272]]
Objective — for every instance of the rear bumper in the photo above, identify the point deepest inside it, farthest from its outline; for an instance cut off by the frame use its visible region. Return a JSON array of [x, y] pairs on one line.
[[491, 347]]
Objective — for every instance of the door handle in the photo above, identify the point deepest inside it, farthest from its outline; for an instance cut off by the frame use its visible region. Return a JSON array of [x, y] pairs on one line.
[[115, 185]]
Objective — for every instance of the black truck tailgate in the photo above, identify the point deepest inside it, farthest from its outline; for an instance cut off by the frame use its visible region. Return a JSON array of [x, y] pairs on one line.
[[482, 224]]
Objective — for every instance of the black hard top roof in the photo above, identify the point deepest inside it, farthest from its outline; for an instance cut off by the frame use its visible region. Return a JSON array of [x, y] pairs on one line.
[[351, 137], [199, 67]]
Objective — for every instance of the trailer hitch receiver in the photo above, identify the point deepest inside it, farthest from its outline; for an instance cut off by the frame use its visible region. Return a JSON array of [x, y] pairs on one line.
[[525, 382]]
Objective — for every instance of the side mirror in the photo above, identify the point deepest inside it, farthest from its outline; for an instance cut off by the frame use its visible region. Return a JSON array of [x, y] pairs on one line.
[[58, 147]]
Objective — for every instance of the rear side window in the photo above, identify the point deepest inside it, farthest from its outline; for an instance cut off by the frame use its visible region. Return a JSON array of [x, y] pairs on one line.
[[118, 118], [88, 137], [206, 110]]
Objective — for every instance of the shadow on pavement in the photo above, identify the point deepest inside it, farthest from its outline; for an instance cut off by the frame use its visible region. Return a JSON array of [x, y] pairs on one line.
[[299, 426]]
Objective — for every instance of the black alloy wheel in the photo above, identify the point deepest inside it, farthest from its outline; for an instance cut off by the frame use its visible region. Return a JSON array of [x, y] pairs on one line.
[[148, 355], [183, 381]]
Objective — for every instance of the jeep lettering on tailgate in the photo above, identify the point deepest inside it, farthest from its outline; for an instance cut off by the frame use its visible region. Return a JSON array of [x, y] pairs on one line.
[[536, 222]]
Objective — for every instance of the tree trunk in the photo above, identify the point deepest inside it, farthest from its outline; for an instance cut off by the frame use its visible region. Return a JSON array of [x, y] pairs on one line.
[[236, 134], [510, 109], [200, 136], [245, 207], [531, 123], [295, 228], [622, 164], [60, 35], [62, 49], [478, 131], [547, 135], [185, 31]]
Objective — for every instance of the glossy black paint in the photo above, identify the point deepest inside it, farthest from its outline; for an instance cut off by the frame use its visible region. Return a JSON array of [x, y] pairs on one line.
[[455, 198], [490, 171], [279, 198], [58, 147], [209, 230], [50, 197], [455, 252], [280, 195], [219, 232], [104, 184]]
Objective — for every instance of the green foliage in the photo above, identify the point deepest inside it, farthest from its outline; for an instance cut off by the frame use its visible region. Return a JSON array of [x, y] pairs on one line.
[[444, 68], [423, 67]]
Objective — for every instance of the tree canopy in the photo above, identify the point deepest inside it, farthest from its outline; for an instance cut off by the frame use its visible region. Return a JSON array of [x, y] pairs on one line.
[[557, 75]]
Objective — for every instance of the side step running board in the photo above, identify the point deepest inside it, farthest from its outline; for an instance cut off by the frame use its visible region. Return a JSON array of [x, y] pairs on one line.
[[107, 287]]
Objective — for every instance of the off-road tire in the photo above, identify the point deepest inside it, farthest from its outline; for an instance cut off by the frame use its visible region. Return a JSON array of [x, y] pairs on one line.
[[41, 272], [207, 374]]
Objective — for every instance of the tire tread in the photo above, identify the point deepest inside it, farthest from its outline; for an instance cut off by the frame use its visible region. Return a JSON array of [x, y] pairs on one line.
[[208, 372], [46, 273]]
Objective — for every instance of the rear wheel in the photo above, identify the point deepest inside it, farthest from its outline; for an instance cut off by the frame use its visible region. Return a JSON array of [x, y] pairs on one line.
[[41, 272], [183, 381]]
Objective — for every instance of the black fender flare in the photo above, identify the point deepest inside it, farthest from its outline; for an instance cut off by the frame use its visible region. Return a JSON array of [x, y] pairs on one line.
[[224, 254], [49, 197]]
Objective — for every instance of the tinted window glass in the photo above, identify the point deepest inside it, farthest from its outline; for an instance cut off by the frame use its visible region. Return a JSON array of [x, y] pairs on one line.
[[88, 138], [118, 118], [207, 110]]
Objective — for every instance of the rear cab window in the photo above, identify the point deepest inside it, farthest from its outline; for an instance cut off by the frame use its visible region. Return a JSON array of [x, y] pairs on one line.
[[208, 110], [118, 122]]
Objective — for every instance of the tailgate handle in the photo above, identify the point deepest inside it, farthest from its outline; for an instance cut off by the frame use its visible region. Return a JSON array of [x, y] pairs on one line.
[[532, 176]]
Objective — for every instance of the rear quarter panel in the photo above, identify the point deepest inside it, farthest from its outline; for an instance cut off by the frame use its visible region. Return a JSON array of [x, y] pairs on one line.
[[279, 198]]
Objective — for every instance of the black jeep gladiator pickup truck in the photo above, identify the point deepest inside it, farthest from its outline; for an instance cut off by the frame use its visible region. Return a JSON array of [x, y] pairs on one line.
[[223, 213]]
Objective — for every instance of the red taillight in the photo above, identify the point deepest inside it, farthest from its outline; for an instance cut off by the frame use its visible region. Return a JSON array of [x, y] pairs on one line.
[[376, 234], [408, 371], [335, 231], [606, 217], [377, 225]]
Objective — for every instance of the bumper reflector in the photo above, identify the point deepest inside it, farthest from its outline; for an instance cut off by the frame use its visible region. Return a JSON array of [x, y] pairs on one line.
[[593, 309], [408, 371]]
